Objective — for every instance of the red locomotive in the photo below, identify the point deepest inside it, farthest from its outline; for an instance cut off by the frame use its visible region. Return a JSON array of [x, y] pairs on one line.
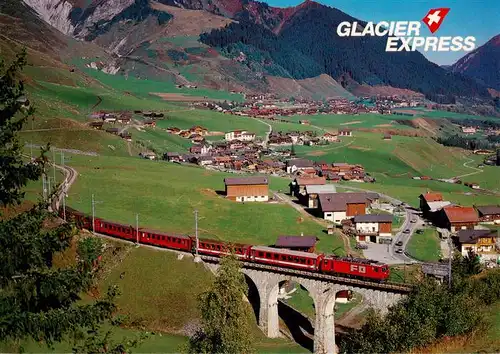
[[319, 263]]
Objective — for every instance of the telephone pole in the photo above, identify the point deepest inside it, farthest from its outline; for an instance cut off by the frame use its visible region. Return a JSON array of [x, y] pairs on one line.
[[137, 229], [449, 261], [64, 200], [196, 256], [93, 213], [54, 164]]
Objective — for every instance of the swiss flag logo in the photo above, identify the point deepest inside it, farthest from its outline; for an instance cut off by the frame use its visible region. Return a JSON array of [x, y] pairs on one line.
[[435, 17]]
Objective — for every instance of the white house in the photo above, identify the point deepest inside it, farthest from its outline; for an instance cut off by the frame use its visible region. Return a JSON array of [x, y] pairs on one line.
[[239, 135], [371, 227]]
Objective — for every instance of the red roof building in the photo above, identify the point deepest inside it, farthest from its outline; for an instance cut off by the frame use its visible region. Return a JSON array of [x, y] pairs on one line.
[[456, 218]]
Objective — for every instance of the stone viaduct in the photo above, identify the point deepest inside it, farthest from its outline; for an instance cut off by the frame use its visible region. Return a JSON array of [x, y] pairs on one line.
[[322, 289]]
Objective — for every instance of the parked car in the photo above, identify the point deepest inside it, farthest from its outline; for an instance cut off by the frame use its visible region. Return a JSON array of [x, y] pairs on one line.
[[407, 231], [399, 250], [361, 246], [413, 221], [399, 243]]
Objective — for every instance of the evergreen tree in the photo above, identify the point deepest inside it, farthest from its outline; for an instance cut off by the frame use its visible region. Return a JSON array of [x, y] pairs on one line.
[[225, 315], [37, 299]]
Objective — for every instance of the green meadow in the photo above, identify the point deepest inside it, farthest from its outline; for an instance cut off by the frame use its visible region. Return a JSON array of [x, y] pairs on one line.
[[425, 247], [165, 196]]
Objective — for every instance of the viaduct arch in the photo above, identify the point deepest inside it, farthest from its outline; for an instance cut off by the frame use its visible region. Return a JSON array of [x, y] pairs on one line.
[[322, 291]]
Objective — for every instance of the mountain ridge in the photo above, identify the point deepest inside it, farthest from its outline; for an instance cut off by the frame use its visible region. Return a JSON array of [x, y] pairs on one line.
[[482, 64], [298, 42]]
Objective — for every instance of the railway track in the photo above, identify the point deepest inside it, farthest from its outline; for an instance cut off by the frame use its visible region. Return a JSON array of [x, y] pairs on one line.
[[71, 175]]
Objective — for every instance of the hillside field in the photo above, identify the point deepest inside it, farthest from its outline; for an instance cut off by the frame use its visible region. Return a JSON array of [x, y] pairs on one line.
[[159, 297], [165, 196]]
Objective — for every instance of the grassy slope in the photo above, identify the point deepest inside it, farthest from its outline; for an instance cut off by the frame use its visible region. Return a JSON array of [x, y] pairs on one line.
[[213, 121], [165, 196], [159, 295], [426, 246]]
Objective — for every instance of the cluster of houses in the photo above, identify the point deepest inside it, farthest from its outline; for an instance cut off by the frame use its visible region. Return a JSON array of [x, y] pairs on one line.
[[334, 172], [196, 133], [322, 200], [308, 137], [462, 222]]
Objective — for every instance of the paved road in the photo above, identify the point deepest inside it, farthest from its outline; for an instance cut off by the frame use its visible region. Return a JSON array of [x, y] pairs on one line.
[[387, 253], [266, 139]]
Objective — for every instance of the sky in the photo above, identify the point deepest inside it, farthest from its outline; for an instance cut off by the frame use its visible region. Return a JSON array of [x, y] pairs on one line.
[[478, 18]]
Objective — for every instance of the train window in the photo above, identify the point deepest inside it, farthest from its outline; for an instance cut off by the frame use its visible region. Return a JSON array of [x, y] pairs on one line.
[[375, 269], [268, 255], [261, 254]]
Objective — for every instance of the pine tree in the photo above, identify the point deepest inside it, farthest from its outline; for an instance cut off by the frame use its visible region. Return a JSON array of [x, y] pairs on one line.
[[225, 315], [37, 299]]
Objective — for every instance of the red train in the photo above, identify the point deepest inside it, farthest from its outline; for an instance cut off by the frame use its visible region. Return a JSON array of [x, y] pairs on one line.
[[319, 263]]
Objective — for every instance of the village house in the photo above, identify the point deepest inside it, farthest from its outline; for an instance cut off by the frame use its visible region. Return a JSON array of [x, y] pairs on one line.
[[489, 213], [373, 227], [345, 132], [96, 125], [198, 130], [173, 130], [110, 118], [239, 135], [148, 155], [455, 218], [341, 206], [124, 119], [172, 156], [331, 138], [126, 135], [298, 185], [311, 198], [150, 123], [297, 243], [112, 131], [295, 165], [469, 130], [204, 160], [247, 189], [387, 136], [432, 202], [305, 122], [222, 160], [478, 241]]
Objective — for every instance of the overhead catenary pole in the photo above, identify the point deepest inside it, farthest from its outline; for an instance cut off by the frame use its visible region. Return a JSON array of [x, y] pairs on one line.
[[137, 228], [449, 261], [64, 200], [93, 214], [196, 256], [54, 164]]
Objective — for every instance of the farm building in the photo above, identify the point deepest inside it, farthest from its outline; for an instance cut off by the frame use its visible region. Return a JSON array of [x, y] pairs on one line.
[[298, 185], [477, 241], [372, 227], [489, 213], [455, 218], [297, 243], [431, 203], [112, 131], [313, 191], [331, 138], [345, 132], [295, 165], [337, 207], [247, 189]]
